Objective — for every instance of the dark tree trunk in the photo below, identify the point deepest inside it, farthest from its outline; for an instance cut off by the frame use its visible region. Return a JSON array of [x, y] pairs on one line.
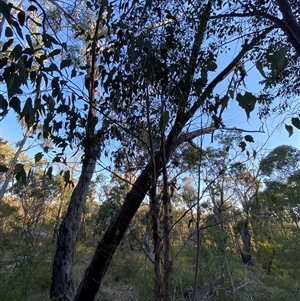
[[246, 237], [167, 244], [106, 248], [268, 271], [289, 19], [62, 287]]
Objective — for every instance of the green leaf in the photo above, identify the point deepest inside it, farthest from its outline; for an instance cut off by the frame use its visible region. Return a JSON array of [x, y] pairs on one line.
[[247, 102], [67, 176], [164, 120], [49, 172], [27, 108], [73, 73], [63, 109], [254, 154], [18, 29], [170, 16], [65, 63], [7, 44], [5, 11], [21, 17], [38, 157], [249, 138], [19, 167], [290, 129], [3, 62], [198, 86], [259, 67], [32, 8], [3, 103], [280, 57], [54, 52], [8, 32], [242, 145], [296, 122], [87, 82], [3, 168], [20, 173], [52, 39], [211, 66], [12, 80], [52, 67], [15, 103], [28, 39], [17, 51]]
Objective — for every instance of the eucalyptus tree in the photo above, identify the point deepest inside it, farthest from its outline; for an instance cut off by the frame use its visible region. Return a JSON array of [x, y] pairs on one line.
[[141, 65], [279, 63], [166, 77], [34, 74], [280, 171]]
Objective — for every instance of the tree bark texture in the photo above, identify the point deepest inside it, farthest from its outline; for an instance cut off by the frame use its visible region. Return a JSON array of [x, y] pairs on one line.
[[167, 241], [106, 248], [246, 238], [289, 18], [62, 287]]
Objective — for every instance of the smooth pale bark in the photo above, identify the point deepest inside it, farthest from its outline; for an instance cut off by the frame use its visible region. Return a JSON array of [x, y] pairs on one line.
[[10, 172]]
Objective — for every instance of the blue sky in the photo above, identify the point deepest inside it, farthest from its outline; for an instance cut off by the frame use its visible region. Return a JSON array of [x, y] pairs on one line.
[[234, 116]]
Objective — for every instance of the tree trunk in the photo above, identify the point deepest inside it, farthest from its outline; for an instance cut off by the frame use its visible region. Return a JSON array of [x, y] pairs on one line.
[[106, 248], [167, 247], [10, 172], [246, 238], [62, 287], [289, 18], [58, 217]]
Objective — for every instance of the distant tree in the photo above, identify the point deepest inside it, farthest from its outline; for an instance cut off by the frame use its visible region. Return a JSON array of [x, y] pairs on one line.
[[156, 65]]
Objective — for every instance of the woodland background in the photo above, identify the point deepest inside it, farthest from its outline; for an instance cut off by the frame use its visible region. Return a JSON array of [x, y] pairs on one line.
[[130, 180]]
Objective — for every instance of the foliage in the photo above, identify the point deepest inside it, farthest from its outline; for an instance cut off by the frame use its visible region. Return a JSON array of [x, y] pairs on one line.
[[136, 83]]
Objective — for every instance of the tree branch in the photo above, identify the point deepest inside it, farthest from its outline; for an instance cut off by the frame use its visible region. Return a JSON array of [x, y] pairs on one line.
[[289, 18], [292, 33], [184, 137], [207, 92]]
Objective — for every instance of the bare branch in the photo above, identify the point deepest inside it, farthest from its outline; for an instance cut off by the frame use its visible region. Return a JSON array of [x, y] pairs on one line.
[[184, 137], [292, 31]]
